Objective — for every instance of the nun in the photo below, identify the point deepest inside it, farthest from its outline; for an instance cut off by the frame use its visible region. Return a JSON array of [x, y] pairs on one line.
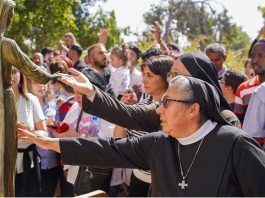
[[197, 154]]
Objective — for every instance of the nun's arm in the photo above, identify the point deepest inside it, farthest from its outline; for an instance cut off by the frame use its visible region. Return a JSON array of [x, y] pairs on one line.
[[129, 116]]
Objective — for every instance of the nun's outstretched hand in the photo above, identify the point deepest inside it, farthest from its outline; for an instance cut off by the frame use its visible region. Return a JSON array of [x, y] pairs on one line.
[[77, 81], [39, 138]]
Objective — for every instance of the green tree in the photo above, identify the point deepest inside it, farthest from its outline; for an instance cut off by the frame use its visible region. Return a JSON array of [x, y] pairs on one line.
[[42, 22], [88, 28], [201, 24]]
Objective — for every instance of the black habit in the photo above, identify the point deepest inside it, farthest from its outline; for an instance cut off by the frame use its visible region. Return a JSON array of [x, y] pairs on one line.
[[227, 164]]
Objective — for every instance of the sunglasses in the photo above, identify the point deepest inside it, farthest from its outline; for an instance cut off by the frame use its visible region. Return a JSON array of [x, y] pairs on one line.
[[165, 102]]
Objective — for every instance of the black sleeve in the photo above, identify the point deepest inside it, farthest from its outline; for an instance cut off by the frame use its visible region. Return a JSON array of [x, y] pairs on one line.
[[141, 118], [118, 153], [249, 166]]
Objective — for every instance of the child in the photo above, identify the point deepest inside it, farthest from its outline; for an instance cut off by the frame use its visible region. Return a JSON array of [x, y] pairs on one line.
[[120, 75]]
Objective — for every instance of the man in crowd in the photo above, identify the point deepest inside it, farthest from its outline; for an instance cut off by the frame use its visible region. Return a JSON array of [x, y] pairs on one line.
[[48, 55], [217, 54], [245, 90], [97, 61], [254, 120], [74, 54]]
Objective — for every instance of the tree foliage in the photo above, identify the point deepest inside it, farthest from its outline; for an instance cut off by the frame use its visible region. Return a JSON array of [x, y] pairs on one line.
[[44, 23], [199, 23]]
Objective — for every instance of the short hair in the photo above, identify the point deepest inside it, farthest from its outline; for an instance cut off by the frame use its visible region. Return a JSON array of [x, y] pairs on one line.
[[234, 79], [151, 52], [136, 50], [183, 87], [77, 48], [46, 50], [92, 47], [216, 47]]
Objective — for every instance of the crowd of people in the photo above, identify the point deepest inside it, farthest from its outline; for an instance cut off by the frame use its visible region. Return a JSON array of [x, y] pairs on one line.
[[131, 123]]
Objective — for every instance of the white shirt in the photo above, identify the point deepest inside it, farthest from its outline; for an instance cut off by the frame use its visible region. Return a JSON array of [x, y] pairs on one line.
[[222, 71], [119, 80], [136, 79], [254, 121], [29, 112]]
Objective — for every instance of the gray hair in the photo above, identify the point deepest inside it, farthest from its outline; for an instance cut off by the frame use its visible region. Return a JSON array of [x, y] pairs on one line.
[[216, 47], [182, 86]]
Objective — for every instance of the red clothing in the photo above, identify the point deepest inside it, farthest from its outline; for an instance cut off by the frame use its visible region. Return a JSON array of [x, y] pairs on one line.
[[243, 95]]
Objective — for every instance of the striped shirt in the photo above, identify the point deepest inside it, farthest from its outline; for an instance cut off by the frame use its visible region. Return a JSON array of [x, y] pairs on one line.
[[243, 95]]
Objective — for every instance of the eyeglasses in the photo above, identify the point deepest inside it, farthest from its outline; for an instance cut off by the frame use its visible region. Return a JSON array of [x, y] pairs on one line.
[[165, 102]]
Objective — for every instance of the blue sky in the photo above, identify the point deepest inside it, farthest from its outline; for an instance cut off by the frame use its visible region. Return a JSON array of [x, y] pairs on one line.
[[243, 12]]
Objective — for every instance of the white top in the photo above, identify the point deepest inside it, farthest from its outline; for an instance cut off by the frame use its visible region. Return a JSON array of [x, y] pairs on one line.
[[119, 80], [222, 71], [206, 128], [254, 121], [136, 78], [29, 112]]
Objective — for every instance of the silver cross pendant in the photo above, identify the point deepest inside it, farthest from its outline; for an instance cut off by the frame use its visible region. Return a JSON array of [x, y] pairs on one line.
[[183, 184]]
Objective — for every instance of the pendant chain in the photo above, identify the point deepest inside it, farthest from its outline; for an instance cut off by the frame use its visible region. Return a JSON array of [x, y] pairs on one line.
[[181, 170]]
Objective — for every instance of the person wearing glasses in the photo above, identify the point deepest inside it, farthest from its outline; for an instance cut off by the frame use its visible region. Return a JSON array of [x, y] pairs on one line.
[[217, 54], [145, 118], [196, 154]]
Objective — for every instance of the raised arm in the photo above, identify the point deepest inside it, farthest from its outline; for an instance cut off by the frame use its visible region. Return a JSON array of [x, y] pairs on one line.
[[157, 33]]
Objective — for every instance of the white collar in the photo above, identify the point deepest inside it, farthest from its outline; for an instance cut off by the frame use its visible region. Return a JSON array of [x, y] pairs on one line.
[[206, 128]]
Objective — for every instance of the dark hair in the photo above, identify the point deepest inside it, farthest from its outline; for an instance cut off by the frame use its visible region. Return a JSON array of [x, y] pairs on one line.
[[136, 50], [22, 85], [159, 65], [234, 79], [46, 50], [151, 52], [216, 47], [121, 52], [92, 47], [77, 48]]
